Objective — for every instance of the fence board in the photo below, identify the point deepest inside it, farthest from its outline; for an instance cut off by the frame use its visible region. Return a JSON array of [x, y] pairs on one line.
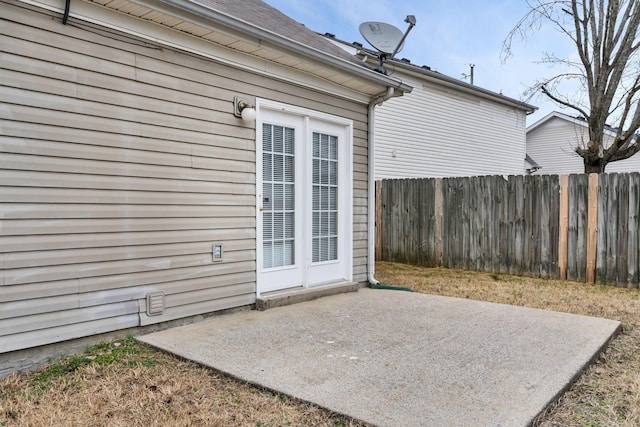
[[592, 228], [448, 211], [564, 227], [459, 232], [474, 226], [582, 206], [613, 223], [503, 253], [554, 217], [465, 227], [438, 220], [634, 231], [504, 227], [378, 251], [428, 234], [519, 225], [621, 267], [530, 222], [396, 238], [545, 226], [495, 186], [487, 235], [409, 207]]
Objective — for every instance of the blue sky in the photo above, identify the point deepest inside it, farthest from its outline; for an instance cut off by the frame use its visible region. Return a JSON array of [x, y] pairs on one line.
[[449, 35]]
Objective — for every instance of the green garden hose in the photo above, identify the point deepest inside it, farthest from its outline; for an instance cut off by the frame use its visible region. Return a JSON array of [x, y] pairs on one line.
[[390, 287]]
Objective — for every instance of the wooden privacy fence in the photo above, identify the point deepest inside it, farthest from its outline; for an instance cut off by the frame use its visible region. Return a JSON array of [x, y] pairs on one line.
[[576, 227]]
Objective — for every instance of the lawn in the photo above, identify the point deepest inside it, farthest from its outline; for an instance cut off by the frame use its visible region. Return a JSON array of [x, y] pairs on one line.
[[126, 383]]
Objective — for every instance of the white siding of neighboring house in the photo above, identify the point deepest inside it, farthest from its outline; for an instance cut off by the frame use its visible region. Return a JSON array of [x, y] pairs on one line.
[[551, 144], [120, 164], [440, 132]]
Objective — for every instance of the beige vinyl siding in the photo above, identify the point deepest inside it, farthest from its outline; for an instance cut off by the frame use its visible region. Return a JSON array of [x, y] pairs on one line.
[[631, 164], [552, 144], [120, 164], [440, 132]]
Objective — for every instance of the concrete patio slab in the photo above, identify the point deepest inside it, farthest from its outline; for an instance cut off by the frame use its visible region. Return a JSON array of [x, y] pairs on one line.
[[394, 358]]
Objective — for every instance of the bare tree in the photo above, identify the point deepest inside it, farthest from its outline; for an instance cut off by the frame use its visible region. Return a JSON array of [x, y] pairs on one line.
[[605, 34]]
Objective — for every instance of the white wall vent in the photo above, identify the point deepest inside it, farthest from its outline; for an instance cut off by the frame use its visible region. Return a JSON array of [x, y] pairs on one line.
[[155, 303]]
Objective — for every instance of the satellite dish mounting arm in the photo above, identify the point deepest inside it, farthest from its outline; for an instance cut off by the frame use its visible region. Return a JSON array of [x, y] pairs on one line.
[[411, 20], [382, 57]]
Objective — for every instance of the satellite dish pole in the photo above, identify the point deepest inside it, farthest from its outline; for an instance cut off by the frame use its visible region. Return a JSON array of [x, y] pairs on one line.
[[411, 20], [386, 39]]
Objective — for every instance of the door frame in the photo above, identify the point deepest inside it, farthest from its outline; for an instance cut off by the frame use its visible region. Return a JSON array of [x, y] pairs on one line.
[[308, 118]]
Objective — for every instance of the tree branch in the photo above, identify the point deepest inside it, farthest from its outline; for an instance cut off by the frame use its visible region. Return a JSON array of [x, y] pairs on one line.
[[626, 153], [562, 102]]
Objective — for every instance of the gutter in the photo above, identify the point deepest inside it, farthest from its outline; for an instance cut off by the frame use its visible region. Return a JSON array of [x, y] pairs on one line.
[[371, 199]]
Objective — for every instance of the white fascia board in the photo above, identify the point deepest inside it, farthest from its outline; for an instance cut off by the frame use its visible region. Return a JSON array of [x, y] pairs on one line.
[[108, 18]]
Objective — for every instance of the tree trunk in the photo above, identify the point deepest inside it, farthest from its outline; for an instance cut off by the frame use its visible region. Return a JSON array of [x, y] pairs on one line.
[[596, 166]]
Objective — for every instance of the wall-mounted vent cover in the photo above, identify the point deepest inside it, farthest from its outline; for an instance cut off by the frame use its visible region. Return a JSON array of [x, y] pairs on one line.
[[217, 252], [155, 303]]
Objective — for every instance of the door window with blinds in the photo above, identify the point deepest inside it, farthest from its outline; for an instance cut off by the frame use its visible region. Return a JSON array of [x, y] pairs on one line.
[[325, 198], [278, 194], [305, 198]]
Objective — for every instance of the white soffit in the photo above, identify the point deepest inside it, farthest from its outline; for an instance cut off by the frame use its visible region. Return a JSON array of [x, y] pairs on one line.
[[230, 47]]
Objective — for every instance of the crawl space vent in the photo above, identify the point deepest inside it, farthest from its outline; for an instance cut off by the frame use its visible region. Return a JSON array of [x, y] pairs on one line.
[[155, 303]]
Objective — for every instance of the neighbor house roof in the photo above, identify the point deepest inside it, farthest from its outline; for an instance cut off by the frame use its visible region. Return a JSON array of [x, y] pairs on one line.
[[426, 73], [554, 114], [531, 164], [445, 80], [260, 14], [579, 121]]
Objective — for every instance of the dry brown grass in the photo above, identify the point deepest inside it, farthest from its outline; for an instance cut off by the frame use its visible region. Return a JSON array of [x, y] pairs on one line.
[[131, 384], [571, 297], [608, 393]]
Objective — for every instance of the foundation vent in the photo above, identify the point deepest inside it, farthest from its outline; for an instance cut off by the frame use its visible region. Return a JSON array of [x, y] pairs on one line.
[[155, 303]]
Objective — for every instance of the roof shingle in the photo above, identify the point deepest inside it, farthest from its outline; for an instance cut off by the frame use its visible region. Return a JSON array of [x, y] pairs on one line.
[[260, 14]]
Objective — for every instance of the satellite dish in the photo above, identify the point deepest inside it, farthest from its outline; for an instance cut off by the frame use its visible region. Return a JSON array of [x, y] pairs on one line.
[[384, 37]]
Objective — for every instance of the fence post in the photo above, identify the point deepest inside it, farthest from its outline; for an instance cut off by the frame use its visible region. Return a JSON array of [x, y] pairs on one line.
[[378, 222], [563, 229], [592, 230], [438, 222]]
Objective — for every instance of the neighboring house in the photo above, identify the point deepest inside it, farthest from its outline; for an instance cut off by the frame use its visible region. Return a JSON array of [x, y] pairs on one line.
[[132, 193], [551, 141], [445, 127]]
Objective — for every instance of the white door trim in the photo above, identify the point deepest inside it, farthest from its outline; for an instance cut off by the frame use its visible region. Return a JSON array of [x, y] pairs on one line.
[[310, 120]]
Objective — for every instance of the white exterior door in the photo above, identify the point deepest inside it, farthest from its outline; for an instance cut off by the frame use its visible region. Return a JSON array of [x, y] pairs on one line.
[[304, 198]]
